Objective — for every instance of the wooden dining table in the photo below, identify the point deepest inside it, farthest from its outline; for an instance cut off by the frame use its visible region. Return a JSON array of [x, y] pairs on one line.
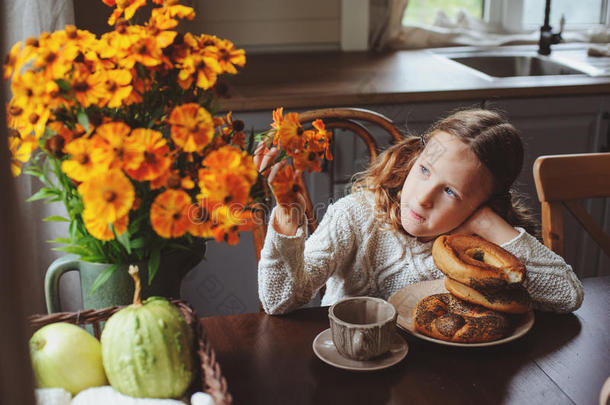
[[563, 359]]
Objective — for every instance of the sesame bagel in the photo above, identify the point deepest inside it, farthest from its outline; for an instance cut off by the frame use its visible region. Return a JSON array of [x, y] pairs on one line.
[[476, 262], [445, 317], [514, 300]]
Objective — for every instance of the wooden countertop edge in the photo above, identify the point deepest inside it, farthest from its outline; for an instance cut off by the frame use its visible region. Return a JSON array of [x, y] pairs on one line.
[[331, 100]]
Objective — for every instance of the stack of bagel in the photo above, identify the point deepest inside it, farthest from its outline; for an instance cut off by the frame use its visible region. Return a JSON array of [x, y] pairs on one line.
[[485, 283]]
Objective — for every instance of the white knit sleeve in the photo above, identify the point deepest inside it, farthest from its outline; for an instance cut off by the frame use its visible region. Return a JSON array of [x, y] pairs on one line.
[[292, 269], [550, 281]]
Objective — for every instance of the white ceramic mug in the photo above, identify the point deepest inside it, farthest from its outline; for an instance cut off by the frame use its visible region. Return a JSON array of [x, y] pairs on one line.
[[362, 327]]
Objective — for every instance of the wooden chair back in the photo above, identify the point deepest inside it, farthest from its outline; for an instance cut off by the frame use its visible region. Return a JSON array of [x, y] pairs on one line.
[[562, 180], [350, 119]]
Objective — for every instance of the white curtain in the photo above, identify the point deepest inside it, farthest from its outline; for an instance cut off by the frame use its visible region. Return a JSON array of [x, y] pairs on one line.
[[385, 21], [24, 19]]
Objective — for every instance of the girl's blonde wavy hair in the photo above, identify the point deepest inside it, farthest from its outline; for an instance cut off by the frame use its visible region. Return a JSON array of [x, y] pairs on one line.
[[491, 137]]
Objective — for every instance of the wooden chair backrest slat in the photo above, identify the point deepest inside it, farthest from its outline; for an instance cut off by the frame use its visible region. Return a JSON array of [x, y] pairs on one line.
[[561, 180]]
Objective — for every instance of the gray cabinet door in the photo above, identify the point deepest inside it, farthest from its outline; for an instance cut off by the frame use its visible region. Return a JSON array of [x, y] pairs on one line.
[[562, 125]]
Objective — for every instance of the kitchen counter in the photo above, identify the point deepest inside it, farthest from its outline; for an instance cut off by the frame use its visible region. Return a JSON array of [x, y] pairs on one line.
[[358, 78]]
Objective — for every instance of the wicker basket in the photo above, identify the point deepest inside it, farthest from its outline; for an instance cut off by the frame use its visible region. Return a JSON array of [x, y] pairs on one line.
[[210, 378]]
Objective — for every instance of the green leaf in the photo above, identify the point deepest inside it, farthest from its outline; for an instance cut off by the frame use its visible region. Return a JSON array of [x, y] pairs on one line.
[[153, 264], [73, 229], [122, 238], [83, 119], [103, 277], [60, 240], [77, 250], [138, 243], [63, 85], [43, 193], [56, 218]]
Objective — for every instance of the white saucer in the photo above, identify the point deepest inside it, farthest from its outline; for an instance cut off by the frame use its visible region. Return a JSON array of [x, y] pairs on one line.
[[326, 351]]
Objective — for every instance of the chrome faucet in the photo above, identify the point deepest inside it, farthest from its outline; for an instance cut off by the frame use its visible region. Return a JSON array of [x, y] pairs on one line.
[[547, 36]]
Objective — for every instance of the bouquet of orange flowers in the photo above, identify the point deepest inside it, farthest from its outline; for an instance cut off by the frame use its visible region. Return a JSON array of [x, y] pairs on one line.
[[121, 129]]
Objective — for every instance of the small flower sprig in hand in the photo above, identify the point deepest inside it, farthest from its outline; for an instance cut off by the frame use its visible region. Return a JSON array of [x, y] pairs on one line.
[[121, 130]]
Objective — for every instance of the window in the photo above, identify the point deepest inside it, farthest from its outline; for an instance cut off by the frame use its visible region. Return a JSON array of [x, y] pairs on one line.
[[513, 15], [577, 13], [423, 12]]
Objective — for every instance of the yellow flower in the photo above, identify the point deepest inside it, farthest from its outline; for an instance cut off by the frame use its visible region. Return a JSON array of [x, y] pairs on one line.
[[55, 56], [145, 51], [112, 148], [155, 161], [118, 88], [229, 57], [192, 127], [109, 195], [88, 88], [169, 213], [100, 229], [20, 150], [80, 166], [129, 7]]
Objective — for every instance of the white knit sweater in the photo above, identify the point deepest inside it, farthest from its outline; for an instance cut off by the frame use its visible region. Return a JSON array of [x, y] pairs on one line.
[[354, 254]]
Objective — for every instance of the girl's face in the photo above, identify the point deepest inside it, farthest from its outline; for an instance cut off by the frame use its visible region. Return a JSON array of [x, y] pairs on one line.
[[446, 184]]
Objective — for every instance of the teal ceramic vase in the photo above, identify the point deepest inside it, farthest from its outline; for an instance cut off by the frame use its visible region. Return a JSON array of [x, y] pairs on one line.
[[119, 288]]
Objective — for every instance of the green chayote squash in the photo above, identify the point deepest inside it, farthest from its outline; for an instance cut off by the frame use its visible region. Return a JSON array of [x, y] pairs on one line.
[[147, 348]]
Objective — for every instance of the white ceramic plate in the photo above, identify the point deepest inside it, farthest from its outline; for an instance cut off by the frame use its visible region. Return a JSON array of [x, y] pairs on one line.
[[326, 351], [405, 300]]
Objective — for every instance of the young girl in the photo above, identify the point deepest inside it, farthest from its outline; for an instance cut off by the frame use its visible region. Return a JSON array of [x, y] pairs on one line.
[[454, 179]]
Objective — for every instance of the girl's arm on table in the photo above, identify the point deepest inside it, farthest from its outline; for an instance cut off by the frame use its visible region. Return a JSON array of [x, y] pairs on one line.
[[550, 281]]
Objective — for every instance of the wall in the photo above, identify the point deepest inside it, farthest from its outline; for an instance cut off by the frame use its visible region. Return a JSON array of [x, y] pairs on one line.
[[256, 25]]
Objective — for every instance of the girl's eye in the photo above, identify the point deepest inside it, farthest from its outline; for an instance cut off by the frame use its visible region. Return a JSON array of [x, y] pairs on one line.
[[450, 192], [424, 170]]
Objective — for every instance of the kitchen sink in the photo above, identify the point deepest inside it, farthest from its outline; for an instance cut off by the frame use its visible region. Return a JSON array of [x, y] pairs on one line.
[[512, 66]]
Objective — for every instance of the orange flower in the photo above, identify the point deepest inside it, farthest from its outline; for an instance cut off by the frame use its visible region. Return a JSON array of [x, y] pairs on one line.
[[233, 131], [229, 57], [192, 127], [289, 135], [169, 213], [100, 229], [155, 161], [200, 221], [109, 195], [320, 140], [223, 187], [80, 166], [232, 160], [114, 150], [172, 179], [286, 186], [227, 223], [278, 117], [307, 161]]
